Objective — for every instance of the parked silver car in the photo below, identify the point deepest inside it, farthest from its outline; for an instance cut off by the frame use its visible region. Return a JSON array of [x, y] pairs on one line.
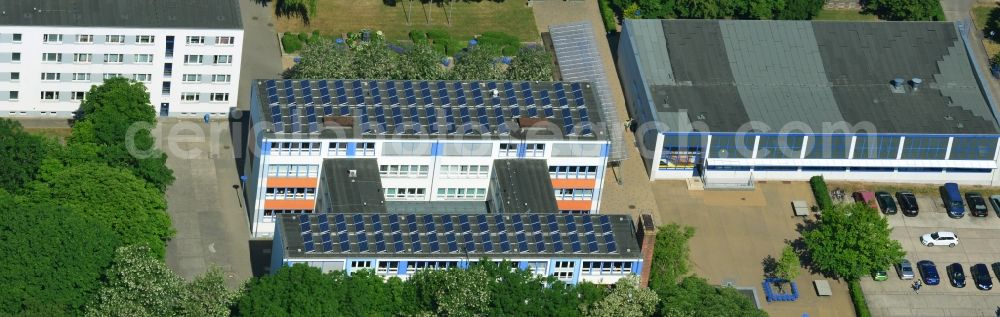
[[905, 270]]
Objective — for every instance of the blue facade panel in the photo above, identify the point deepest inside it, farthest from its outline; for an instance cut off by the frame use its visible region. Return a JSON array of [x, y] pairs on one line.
[[351, 149]]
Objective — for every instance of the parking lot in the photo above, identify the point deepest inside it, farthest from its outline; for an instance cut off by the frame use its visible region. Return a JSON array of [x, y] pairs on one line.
[[979, 242], [736, 230]]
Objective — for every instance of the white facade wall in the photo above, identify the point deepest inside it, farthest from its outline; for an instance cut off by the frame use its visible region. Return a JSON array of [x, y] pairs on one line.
[[263, 227], [30, 68]]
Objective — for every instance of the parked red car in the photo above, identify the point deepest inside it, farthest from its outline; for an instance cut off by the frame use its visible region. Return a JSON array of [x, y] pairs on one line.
[[866, 197]]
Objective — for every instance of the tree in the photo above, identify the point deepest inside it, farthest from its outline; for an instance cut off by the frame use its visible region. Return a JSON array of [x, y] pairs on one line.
[[141, 285], [307, 8], [323, 60], [531, 64], [699, 9], [52, 258], [906, 10], [421, 62], [453, 292], [626, 299], [22, 155], [800, 9], [117, 117], [298, 290], [850, 241], [695, 297], [670, 255], [112, 197], [478, 63], [788, 265]]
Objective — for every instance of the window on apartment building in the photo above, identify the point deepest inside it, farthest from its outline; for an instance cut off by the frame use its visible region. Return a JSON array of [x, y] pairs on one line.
[[144, 58], [15, 57], [15, 76], [114, 58], [51, 57], [361, 265], [464, 171], [12, 95], [290, 193], [574, 194], [144, 39], [82, 57], [461, 193], [573, 171], [85, 38], [534, 149], [111, 75], [225, 40], [220, 78], [81, 76], [295, 148], [52, 38], [114, 39], [219, 96], [50, 95], [338, 149], [51, 76], [16, 37], [142, 77], [223, 59], [508, 149], [190, 96], [196, 40], [403, 170], [388, 268], [286, 170], [365, 149], [77, 95], [191, 78], [404, 193], [193, 59]]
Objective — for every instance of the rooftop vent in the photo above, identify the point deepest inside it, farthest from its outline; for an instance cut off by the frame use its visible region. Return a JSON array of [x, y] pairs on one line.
[[915, 82], [352, 173], [897, 85]]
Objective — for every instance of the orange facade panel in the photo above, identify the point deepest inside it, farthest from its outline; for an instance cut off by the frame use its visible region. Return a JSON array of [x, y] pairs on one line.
[[573, 183], [291, 204], [573, 204], [291, 182]]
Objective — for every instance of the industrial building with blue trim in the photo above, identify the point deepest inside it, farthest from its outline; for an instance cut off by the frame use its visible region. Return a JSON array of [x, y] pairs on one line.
[[731, 102]]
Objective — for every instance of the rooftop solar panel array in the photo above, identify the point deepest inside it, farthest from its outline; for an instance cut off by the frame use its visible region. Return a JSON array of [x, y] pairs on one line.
[[448, 234], [422, 107]]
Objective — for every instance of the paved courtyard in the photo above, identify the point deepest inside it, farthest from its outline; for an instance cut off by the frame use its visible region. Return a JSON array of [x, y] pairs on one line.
[[979, 242], [736, 230], [202, 203]]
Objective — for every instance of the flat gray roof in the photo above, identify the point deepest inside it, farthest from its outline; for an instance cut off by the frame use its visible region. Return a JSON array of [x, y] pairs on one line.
[[416, 109], [472, 236], [180, 14], [727, 74], [360, 193], [524, 185]]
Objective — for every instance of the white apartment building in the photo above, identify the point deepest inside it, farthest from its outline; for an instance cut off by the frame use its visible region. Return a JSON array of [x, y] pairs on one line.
[[186, 52], [434, 141]]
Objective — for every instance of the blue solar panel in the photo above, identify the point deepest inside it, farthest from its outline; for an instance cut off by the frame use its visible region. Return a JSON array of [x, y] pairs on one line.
[[504, 243], [341, 227], [592, 242], [487, 246], [557, 246], [539, 243], [445, 101], [484, 227], [532, 110], [570, 226], [327, 243], [307, 237], [363, 247], [575, 246], [358, 92], [549, 113], [435, 247], [324, 227], [501, 226], [305, 227], [394, 227], [522, 242], [345, 243], [452, 243], [415, 243], [612, 246], [470, 242], [567, 121], [605, 223], [376, 224], [379, 244], [310, 247], [461, 101], [449, 227], [458, 88], [554, 227], [484, 123], [397, 243], [465, 227], [359, 223]]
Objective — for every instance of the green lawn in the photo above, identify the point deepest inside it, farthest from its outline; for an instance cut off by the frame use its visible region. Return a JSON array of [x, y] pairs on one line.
[[336, 17], [980, 15], [844, 15], [58, 133]]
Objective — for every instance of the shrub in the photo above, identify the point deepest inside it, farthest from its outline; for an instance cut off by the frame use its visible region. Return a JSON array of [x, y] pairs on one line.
[[858, 297], [437, 34], [508, 44], [418, 36], [608, 15], [291, 43], [821, 192], [304, 37]]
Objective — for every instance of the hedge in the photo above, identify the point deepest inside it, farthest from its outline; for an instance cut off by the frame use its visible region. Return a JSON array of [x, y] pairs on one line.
[[418, 36], [608, 15], [821, 193], [858, 297], [291, 43], [509, 45]]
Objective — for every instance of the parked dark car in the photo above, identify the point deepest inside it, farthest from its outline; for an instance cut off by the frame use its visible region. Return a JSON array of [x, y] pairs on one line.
[[996, 269], [928, 272], [956, 275], [977, 204], [885, 203], [952, 198], [981, 275], [908, 203]]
